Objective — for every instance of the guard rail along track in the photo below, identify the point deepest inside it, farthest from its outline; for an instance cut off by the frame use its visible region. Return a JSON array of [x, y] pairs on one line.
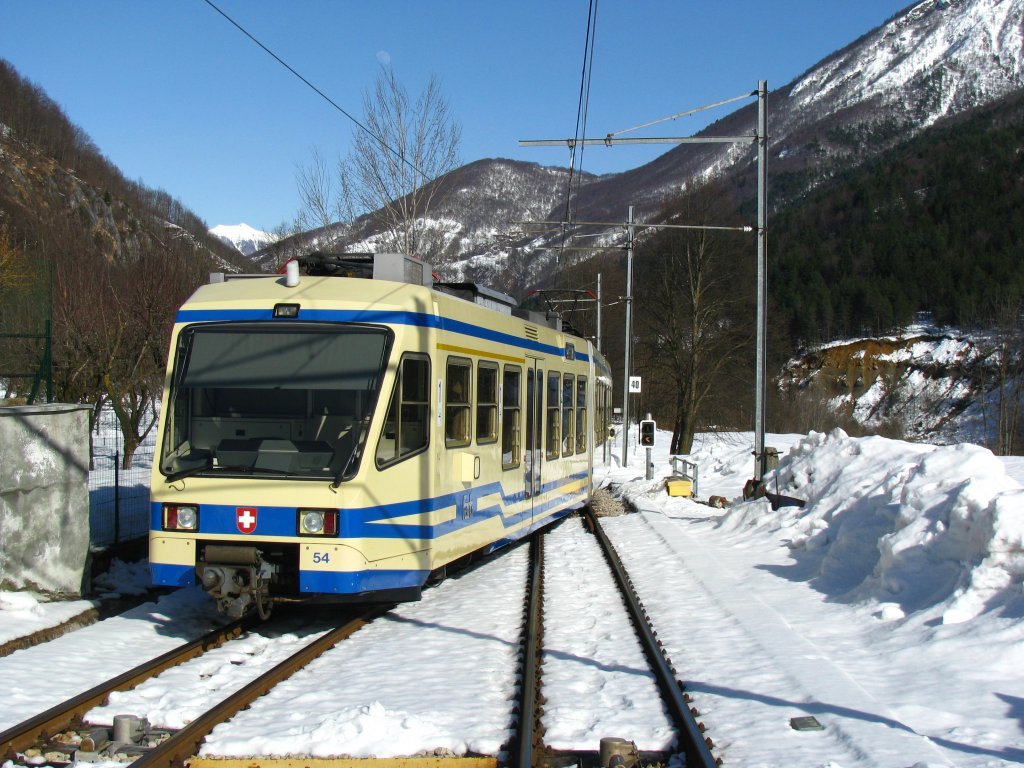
[[529, 749]]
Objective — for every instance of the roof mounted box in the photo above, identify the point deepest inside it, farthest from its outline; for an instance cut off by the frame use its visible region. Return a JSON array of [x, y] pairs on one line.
[[400, 268], [396, 267], [481, 295]]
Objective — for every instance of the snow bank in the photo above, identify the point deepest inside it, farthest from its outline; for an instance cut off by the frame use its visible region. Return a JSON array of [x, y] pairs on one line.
[[22, 613], [910, 526]]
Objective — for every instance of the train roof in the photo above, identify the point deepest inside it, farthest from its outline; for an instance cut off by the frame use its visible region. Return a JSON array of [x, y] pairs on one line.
[[319, 297], [376, 268]]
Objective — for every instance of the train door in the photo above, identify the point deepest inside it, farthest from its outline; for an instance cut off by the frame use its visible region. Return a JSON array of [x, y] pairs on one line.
[[534, 454]]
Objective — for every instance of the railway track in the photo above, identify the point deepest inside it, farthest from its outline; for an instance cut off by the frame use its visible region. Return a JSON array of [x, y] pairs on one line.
[[45, 725], [529, 748], [172, 747], [692, 741], [526, 746], [184, 744]]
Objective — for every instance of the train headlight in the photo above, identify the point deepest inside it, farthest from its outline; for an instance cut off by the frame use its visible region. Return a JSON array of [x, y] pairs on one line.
[[313, 522], [181, 517], [318, 522]]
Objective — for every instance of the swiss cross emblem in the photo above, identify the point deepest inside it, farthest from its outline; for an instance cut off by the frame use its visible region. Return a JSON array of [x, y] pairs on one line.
[[245, 519]]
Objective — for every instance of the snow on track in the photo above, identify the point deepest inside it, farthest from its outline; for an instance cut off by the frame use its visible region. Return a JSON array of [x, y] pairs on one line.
[[40, 677], [181, 694], [784, 675], [439, 674], [596, 680]]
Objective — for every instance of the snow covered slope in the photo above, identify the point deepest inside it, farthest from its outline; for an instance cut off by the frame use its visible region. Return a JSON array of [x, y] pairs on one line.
[[934, 60], [247, 240], [934, 386]]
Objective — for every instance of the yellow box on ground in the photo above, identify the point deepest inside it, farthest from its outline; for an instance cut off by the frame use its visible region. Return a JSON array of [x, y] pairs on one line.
[[679, 487]]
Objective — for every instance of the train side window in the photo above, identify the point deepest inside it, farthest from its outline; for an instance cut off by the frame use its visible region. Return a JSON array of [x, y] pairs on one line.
[[537, 408], [581, 415], [568, 393], [554, 418], [406, 426], [511, 398], [457, 402], [486, 403], [601, 424], [531, 408]]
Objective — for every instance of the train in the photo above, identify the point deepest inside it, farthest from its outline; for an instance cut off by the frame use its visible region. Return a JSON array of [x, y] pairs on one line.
[[347, 430]]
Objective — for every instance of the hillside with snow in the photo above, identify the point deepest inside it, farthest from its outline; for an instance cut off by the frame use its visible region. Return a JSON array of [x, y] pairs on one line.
[[243, 238], [938, 386], [933, 61]]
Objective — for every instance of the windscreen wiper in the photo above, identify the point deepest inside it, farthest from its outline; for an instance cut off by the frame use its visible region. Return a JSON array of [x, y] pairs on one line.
[[344, 469], [243, 468]]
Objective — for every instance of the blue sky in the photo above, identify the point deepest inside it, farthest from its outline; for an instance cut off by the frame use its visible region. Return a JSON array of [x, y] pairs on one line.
[[177, 97]]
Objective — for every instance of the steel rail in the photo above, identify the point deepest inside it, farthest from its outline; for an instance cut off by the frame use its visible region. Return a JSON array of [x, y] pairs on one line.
[[695, 745], [185, 743], [528, 738], [23, 735]]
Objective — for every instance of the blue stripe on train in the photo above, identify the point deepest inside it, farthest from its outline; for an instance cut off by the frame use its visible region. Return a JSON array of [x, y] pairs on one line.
[[320, 582], [344, 583], [392, 317], [173, 575], [373, 522]]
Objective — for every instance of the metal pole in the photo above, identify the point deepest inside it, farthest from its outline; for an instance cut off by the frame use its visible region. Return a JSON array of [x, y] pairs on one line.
[[629, 333], [762, 281], [605, 406], [48, 353], [649, 474], [117, 497]]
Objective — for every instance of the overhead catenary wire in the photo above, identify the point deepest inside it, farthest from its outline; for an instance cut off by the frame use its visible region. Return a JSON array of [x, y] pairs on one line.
[[677, 115], [581, 114], [383, 144]]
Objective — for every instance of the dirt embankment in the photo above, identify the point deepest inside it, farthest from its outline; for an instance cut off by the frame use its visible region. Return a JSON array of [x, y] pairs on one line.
[[917, 384]]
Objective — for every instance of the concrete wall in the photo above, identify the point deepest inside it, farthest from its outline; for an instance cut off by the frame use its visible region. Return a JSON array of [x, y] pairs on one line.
[[44, 497]]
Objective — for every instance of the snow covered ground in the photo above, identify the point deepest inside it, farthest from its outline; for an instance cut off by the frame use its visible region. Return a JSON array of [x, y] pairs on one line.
[[889, 607]]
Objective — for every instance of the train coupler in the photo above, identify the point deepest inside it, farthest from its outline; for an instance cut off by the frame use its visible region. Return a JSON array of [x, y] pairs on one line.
[[238, 578]]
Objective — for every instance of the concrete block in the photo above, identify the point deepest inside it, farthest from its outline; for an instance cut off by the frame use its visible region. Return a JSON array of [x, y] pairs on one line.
[[44, 497]]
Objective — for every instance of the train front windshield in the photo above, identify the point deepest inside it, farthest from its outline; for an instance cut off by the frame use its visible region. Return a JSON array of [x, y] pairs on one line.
[[272, 399]]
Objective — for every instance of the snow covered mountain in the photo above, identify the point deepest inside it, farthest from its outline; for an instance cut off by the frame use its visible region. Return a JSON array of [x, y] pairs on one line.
[[247, 240], [473, 219], [934, 60]]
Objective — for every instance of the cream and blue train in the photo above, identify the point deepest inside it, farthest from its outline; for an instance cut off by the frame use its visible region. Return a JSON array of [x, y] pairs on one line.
[[329, 435]]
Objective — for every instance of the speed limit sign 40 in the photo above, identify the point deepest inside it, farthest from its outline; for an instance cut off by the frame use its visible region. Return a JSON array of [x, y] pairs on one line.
[[634, 385]]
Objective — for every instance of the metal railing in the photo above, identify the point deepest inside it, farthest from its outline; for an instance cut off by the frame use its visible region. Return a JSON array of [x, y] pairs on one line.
[[685, 469], [118, 497]]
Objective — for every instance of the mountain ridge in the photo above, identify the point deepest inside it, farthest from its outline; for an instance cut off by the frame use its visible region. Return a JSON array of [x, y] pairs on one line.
[[931, 61], [243, 238]]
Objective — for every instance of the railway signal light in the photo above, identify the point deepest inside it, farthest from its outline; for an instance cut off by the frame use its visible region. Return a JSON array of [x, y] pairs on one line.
[[647, 427]]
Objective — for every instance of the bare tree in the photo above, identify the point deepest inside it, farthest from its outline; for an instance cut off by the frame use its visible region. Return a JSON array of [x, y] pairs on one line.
[[394, 169], [113, 323], [692, 335], [322, 205], [1002, 382], [143, 307], [15, 266]]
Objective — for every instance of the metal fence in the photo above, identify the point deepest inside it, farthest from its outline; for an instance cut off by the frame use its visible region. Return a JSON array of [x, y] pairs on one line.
[[118, 498]]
